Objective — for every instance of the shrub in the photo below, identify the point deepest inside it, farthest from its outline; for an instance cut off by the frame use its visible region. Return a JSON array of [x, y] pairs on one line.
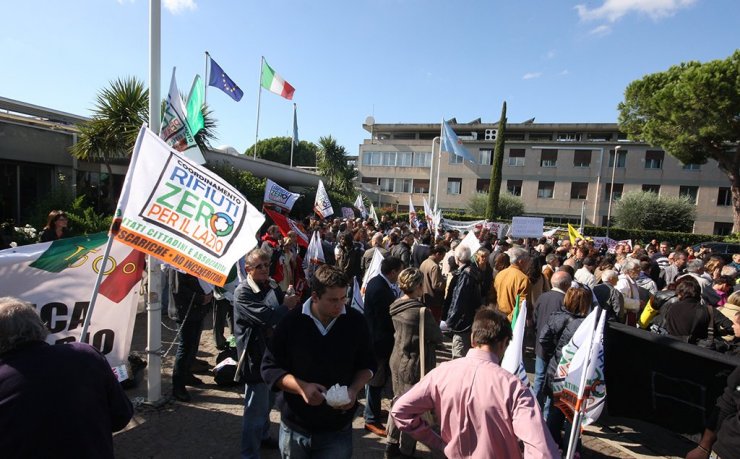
[[648, 211]]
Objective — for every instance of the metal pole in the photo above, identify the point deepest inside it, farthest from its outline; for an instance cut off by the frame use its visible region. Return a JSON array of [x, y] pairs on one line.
[[154, 273], [583, 214], [96, 288], [431, 168], [205, 81], [259, 98], [439, 166], [598, 186], [611, 190], [292, 144]]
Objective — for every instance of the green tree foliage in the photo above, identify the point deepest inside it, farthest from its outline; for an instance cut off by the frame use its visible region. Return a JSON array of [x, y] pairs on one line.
[[508, 206], [253, 188], [278, 149], [494, 188], [692, 111], [332, 164], [647, 211]]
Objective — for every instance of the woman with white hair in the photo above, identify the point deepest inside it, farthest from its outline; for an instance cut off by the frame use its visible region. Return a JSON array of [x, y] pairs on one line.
[[627, 284]]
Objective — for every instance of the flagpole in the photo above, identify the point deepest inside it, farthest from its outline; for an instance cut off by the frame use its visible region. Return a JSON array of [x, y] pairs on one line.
[[96, 287], [205, 81], [439, 164], [259, 99], [431, 167], [575, 429], [292, 144], [154, 274]]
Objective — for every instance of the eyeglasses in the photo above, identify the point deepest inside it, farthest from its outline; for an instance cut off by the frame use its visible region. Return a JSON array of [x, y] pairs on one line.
[[261, 266]]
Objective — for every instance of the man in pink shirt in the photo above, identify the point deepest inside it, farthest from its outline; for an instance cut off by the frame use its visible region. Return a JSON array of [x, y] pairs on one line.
[[483, 410]]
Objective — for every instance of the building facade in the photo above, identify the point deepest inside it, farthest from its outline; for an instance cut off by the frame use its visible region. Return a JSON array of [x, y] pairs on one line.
[[558, 170]]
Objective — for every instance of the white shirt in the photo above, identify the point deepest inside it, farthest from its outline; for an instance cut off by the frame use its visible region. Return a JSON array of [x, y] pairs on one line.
[[323, 330]]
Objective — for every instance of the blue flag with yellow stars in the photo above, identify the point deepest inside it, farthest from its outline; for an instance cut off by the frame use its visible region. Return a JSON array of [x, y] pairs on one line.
[[219, 79]]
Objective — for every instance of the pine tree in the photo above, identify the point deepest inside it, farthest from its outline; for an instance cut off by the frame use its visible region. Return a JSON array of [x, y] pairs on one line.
[[494, 188]]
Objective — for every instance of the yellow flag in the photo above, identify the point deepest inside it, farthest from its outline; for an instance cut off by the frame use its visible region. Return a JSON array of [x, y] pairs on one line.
[[574, 234]]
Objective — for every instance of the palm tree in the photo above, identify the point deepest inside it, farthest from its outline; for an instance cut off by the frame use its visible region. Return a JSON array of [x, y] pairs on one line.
[[332, 164], [118, 114]]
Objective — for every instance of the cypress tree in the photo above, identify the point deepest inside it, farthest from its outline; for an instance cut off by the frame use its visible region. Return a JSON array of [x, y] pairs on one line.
[[494, 189]]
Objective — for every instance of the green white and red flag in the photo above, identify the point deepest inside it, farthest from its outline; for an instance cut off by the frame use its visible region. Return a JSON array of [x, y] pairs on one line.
[[275, 83]]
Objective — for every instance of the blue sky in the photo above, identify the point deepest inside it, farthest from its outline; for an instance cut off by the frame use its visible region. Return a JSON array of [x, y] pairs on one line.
[[407, 61]]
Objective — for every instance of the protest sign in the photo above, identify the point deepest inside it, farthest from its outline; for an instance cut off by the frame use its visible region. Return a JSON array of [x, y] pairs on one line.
[[527, 227], [182, 213]]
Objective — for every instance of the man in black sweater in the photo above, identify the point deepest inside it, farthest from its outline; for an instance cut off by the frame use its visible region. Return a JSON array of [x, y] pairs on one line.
[[315, 347]]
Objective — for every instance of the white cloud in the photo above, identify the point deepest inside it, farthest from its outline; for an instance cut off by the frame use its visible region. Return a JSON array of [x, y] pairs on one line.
[[550, 54], [564, 72], [600, 31], [531, 75], [613, 10], [178, 6]]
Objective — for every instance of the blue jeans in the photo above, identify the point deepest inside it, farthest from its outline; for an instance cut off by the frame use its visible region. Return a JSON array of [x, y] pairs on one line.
[[559, 428], [540, 370], [373, 395], [258, 400], [327, 445]]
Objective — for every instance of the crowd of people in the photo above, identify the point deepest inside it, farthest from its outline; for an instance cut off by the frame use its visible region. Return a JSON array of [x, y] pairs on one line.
[[303, 345]]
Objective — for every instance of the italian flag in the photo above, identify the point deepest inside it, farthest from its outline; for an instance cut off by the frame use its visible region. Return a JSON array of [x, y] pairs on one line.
[[275, 83]]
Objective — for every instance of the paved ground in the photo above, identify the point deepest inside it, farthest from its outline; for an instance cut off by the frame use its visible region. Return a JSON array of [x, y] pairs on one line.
[[210, 425]]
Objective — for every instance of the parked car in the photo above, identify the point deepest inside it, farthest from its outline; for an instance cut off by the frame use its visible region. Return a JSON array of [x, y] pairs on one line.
[[724, 249]]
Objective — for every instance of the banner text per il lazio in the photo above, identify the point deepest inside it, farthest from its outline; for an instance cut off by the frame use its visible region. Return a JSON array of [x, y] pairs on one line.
[[182, 213], [58, 278]]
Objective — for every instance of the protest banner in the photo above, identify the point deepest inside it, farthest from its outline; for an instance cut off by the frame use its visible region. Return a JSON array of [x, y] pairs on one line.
[[278, 196], [348, 213], [471, 241], [513, 361], [286, 224], [182, 213], [527, 227], [57, 278]]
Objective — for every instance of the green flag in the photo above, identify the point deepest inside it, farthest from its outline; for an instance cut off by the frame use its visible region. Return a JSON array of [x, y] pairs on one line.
[[195, 105]]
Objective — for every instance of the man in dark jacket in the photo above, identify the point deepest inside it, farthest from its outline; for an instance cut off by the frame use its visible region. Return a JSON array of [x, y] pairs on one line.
[[421, 251], [402, 250], [57, 400], [259, 304], [547, 303], [462, 301], [381, 291], [193, 300]]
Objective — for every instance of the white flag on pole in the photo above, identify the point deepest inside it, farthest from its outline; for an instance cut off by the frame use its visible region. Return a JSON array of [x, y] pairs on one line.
[[357, 301], [322, 205], [429, 215], [568, 374], [360, 205], [372, 270], [512, 361], [314, 255], [279, 196], [175, 130], [373, 215], [412, 213], [471, 240]]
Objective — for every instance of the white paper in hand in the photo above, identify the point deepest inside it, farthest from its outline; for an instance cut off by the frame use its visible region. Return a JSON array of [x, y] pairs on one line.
[[337, 396]]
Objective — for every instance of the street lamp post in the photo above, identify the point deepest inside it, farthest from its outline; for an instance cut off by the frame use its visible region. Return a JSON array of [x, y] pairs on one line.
[[611, 189]]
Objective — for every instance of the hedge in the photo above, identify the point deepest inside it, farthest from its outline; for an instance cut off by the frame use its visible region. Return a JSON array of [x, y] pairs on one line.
[[645, 236]]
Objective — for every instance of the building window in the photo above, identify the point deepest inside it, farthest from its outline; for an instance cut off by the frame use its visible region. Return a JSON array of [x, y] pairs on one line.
[[422, 159], [582, 158], [540, 136], [516, 157], [545, 190], [722, 228], [549, 158], [372, 180], [578, 190], [691, 167], [621, 159], [618, 189], [454, 186], [389, 158], [514, 187], [689, 192], [482, 185], [455, 159], [386, 185], [724, 197], [569, 136], [403, 185], [651, 189], [404, 159], [421, 186], [654, 159], [485, 157], [372, 158]]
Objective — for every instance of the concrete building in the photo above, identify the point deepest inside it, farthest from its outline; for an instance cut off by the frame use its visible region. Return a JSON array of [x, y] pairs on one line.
[[554, 168], [35, 163]]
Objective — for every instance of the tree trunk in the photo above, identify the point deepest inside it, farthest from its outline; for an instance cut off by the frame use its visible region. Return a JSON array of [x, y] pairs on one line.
[[729, 163], [497, 164]]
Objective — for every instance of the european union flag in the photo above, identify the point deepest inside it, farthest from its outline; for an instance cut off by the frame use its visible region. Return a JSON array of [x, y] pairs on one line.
[[219, 79]]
